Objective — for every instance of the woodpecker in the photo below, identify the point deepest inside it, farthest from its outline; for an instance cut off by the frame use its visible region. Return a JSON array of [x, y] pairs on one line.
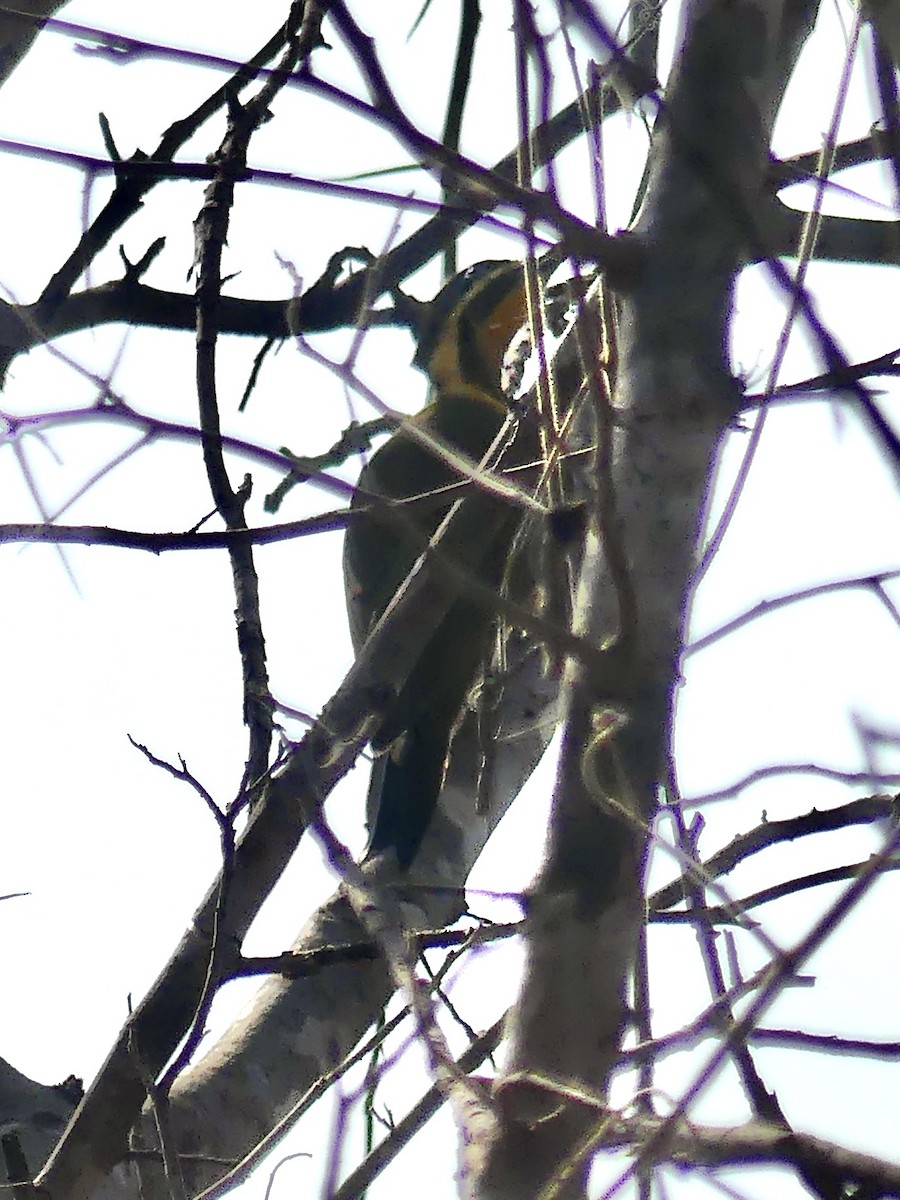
[[462, 336]]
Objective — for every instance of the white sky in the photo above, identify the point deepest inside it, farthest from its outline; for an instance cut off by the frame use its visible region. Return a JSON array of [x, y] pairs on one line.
[[113, 853]]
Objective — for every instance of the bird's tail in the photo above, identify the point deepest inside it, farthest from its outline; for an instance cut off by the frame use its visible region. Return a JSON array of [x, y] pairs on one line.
[[403, 791]]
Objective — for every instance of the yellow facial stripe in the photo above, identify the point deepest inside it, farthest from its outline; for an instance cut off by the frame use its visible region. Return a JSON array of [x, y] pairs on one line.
[[467, 356]]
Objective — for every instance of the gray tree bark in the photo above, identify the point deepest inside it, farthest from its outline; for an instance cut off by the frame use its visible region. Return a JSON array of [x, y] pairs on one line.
[[674, 400]]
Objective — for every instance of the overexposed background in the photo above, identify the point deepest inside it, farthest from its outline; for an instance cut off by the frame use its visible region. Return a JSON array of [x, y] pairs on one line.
[[100, 643]]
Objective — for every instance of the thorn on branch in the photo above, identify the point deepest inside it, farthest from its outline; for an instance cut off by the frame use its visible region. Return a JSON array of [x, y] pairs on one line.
[[254, 372], [108, 140], [134, 271]]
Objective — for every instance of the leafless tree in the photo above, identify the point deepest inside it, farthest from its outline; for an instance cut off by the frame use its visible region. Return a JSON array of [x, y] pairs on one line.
[[636, 384]]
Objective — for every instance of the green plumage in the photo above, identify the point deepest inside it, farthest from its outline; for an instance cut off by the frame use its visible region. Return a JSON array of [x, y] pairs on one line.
[[380, 551]]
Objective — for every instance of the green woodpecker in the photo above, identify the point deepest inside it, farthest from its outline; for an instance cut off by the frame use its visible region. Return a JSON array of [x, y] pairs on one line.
[[461, 343]]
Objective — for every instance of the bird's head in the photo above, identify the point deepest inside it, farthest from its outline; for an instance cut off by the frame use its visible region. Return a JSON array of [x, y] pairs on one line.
[[468, 326]]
